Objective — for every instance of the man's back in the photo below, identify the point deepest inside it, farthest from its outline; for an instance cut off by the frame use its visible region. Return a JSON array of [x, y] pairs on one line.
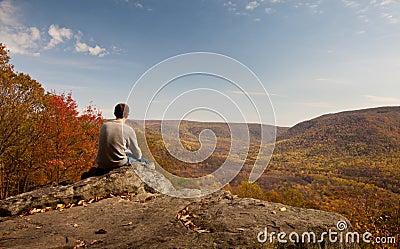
[[116, 138]]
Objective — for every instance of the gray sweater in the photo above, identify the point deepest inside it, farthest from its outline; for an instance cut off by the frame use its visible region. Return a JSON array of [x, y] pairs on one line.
[[116, 138]]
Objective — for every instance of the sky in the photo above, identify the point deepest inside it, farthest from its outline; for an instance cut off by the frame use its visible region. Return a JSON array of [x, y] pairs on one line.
[[311, 57]]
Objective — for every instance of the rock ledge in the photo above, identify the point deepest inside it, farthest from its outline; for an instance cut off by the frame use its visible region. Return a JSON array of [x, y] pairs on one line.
[[151, 220]]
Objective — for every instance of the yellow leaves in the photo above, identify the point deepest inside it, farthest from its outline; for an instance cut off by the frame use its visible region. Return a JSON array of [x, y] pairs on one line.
[[82, 203], [61, 206], [39, 210], [250, 190], [185, 217], [35, 210]]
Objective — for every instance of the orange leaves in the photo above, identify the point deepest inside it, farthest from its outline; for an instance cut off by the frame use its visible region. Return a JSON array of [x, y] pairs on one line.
[[69, 140], [43, 137]]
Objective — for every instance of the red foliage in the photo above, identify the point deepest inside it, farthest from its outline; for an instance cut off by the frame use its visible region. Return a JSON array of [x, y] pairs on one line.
[[69, 141]]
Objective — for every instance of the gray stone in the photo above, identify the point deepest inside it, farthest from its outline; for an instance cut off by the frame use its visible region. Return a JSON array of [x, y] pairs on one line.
[[120, 180], [151, 220], [220, 220], [153, 178]]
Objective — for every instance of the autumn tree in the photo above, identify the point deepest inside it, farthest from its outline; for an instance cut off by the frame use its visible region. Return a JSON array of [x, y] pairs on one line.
[[69, 141], [249, 190], [43, 137], [21, 103], [273, 196]]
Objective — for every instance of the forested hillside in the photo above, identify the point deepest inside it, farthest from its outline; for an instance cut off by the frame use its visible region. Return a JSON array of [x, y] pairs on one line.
[[346, 162]]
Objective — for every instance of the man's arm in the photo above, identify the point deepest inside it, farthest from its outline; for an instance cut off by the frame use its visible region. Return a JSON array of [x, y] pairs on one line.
[[133, 145]]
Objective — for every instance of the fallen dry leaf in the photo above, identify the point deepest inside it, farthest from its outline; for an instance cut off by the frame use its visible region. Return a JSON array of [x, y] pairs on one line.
[[148, 198], [80, 244], [185, 217], [128, 224], [35, 210], [94, 242], [101, 231]]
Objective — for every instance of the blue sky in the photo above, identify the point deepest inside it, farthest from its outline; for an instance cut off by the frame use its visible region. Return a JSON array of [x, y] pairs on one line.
[[313, 57]]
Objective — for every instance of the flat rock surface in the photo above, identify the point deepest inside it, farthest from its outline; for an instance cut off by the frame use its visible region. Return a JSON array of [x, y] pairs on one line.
[[220, 220], [118, 210]]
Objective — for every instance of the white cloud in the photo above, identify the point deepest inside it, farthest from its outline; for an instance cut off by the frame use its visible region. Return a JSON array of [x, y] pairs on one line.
[[252, 5], [18, 38], [138, 5], [96, 50], [317, 104], [58, 35], [351, 4], [368, 10], [249, 93], [268, 10], [386, 2], [21, 39], [363, 18], [390, 18], [231, 6], [380, 99], [8, 13], [330, 81]]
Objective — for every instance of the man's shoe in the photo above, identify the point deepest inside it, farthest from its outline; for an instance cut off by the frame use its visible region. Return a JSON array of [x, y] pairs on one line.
[[150, 165]]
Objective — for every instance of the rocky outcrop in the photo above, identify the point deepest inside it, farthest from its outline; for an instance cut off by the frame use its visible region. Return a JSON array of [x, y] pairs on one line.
[[121, 180], [151, 220]]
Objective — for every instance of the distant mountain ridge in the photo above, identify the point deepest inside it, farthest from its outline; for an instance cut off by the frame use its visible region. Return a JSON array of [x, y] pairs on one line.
[[374, 130]]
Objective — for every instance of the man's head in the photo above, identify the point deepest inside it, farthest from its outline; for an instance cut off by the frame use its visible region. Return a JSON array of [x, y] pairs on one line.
[[121, 111]]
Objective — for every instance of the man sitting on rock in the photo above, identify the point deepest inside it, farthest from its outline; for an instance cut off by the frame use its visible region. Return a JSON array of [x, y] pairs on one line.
[[118, 144]]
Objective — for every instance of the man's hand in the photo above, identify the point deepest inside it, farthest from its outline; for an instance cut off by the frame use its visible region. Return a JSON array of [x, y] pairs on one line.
[[144, 160]]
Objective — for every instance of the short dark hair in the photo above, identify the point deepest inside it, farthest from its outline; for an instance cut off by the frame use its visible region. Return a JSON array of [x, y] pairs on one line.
[[121, 110]]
